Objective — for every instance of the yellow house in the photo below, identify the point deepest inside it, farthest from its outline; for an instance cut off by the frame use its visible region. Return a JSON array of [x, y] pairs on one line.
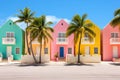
[[90, 46]]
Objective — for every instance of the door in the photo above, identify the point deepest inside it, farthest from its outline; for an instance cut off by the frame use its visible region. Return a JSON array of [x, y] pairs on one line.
[[87, 50], [115, 52], [37, 51], [61, 52], [9, 51]]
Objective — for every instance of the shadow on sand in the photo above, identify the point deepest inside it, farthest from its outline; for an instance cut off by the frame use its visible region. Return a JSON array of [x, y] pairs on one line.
[[115, 64], [79, 64], [26, 65]]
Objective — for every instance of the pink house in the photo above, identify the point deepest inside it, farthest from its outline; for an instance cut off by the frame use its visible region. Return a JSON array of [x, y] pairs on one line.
[[110, 43], [60, 44]]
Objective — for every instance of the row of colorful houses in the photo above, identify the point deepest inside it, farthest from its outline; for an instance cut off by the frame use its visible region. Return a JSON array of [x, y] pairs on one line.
[[104, 46]]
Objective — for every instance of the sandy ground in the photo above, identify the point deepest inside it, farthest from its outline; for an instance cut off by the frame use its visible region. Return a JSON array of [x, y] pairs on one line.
[[60, 71]]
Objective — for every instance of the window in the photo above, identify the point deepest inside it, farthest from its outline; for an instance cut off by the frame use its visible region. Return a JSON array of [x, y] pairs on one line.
[[10, 23], [10, 34], [96, 50], [86, 35], [46, 51], [69, 50], [61, 35], [17, 50], [114, 35], [61, 23]]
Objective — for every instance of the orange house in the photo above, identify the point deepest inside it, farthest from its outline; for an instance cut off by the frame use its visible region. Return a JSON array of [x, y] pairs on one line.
[[36, 47]]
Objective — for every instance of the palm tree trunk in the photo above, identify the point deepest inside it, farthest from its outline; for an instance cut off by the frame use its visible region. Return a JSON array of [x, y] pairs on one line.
[[32, 51], [40, 52], [79, 49], [26, 36]]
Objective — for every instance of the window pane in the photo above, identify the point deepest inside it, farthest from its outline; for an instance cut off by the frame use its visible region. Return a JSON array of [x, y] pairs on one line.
[[116, 35], [69, 50], [46, 50], [12, 34], [86, 34], [96, 50], [59, 34], [17, 50], [8, 34]]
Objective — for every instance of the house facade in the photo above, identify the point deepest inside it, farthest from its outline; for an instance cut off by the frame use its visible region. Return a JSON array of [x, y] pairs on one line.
[[61, 45], [45, 49], [110, 43], [11, 40], [90, 46]]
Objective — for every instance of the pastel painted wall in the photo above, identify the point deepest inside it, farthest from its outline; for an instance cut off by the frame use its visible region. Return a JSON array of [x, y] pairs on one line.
[[107, 48], [36, 46], [10, 26], [91, 46], [61, 26]]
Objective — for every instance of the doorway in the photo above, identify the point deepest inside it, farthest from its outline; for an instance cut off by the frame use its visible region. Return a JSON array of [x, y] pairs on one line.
[[61, 52], [9, 51], [115, 52], [87, 50]]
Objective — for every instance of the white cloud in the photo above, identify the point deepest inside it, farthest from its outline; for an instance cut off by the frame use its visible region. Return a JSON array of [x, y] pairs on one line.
[[55, 19]]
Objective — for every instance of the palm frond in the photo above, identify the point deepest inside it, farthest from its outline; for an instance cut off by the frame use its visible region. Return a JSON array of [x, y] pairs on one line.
[[83, 19], [76, 19], [115, 21], [90, 31], [117, 12]]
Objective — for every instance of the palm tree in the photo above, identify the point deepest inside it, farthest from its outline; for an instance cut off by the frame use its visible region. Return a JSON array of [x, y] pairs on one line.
[[25, 16], [78, 27], [116, 19], [41, 30]]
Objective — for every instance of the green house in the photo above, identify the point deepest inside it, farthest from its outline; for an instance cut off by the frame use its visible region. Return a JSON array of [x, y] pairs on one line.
[[11, 40]]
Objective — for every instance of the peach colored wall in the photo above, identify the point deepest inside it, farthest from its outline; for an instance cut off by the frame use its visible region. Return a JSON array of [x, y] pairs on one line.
[[35, 46], [55, 47], [107, 52]]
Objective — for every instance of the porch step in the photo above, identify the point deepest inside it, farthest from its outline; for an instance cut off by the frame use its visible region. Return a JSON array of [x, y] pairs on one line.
[[61, 59]]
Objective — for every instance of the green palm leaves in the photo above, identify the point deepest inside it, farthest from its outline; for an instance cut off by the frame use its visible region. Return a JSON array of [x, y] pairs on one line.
[[25, 15], [116, 19]]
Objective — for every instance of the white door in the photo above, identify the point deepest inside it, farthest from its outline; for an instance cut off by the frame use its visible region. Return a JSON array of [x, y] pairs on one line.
[[87, 50], [115, 52], [9, 51], [37, 51]]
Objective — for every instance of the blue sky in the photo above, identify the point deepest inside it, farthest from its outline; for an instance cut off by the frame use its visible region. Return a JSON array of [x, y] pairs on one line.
[[99, 11]]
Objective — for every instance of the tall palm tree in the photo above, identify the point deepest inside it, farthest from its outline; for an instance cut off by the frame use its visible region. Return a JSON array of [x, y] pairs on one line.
[[78, 26], [41, 30], [116, 19], [25, 16]]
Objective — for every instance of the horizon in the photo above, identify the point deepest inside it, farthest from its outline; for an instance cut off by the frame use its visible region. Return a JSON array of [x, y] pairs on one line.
[[99, 12]]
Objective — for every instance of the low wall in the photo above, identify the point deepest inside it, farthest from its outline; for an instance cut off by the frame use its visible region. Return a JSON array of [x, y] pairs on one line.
[[85, 59], [28, 59], [90, 59]]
